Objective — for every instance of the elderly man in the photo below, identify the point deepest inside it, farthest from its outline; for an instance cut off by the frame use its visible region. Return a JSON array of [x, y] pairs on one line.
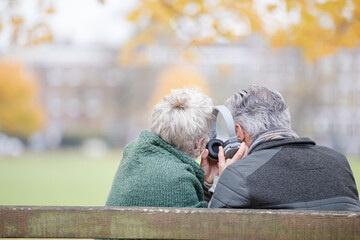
[[274, 168]]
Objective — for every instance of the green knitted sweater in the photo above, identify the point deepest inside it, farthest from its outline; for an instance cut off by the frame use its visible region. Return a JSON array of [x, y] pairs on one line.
[[153, 173]]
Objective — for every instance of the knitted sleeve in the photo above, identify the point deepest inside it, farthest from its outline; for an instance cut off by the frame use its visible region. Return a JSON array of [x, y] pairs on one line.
[[186, 190], [156, 186]]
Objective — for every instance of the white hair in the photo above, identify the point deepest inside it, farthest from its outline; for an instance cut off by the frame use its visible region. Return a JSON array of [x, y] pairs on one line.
[[258, 109], [183, 118]]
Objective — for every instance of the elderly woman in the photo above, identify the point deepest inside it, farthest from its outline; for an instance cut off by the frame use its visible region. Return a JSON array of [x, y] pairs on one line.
[[158, 169]]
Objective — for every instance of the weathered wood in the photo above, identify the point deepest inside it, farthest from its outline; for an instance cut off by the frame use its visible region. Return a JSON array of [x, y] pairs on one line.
[[175, 223]]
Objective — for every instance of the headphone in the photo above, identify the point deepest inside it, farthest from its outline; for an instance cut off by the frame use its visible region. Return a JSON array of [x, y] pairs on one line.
[[232, 144]]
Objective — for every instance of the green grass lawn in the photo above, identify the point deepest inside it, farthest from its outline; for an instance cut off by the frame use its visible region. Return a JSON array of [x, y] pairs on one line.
[[66, 179], [58, 179], [355, 167]]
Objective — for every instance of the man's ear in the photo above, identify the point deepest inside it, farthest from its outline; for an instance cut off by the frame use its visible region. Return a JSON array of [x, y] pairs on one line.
[[240, 132]]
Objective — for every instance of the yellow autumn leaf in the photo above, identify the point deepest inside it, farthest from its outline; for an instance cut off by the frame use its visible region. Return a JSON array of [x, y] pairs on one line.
[[139, 11], [179, 5], [160, 11], [271, 8], [134, 15], [335, 7], [17, 20], [38, 34], [50, 10], [290, 4], [203, 41], [350, 39], [279, 39], [255, 22]]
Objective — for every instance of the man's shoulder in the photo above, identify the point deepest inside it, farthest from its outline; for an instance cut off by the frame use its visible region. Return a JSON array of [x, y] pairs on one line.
[[252, 162], [328, 151], [331, 154]]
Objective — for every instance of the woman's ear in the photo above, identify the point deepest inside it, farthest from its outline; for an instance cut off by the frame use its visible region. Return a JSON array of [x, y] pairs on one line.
[[239, 131], [199, 144]]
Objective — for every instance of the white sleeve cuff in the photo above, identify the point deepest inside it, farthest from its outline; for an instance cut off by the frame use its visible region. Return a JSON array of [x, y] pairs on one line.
[[212, 188], [207, 185]]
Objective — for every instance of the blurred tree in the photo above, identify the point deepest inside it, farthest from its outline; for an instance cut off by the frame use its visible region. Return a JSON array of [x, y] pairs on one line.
[[320, 27], [24, 32], [20, 112], [177, 77]]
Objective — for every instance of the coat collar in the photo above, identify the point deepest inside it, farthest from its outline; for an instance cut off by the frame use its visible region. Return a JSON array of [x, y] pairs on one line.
[[283, 142]]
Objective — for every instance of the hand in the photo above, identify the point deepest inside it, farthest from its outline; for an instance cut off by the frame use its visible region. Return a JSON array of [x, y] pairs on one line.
[[241, 153], [210, 167]]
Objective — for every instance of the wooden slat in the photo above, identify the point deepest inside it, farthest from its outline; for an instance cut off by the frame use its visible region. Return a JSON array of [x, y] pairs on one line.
[[175, 223]]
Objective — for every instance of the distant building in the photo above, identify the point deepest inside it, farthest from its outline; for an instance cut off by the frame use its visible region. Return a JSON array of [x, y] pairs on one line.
[[86, 93]]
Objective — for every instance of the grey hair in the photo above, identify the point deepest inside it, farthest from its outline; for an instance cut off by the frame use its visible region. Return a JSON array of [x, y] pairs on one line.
[[258, 109], [182, 119]]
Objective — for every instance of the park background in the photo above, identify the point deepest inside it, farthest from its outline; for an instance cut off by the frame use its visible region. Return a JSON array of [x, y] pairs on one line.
[[78, 79]]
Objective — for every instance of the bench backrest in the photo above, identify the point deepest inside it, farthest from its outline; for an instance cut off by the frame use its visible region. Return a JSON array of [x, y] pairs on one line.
[[175, 223]]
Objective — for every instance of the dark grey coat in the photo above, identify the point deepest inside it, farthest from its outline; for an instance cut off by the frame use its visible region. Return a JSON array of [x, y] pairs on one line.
[[288, 174]]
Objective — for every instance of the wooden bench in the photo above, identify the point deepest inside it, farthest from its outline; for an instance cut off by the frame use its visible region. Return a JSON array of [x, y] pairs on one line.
[[175, 223]]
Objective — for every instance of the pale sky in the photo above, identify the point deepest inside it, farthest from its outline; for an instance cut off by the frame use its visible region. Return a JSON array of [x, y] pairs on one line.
[[80, 21]]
